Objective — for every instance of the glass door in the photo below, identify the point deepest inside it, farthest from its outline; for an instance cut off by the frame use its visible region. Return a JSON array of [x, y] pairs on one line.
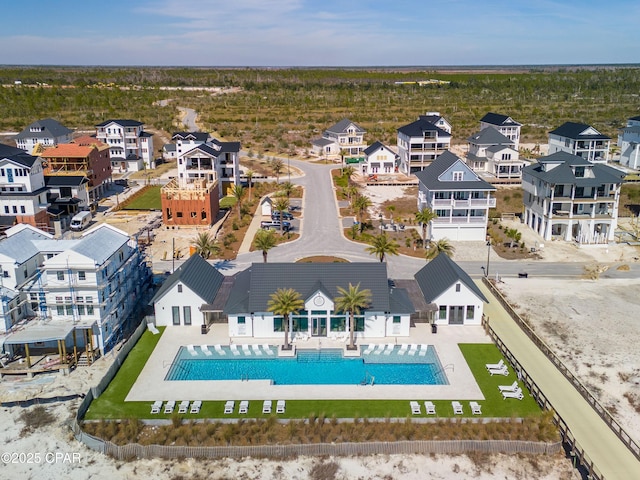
[[456, 315], [318, 326]]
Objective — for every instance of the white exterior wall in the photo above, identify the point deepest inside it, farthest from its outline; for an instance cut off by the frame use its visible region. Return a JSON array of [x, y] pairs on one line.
[[630, 147], [173, 298], [379, 158], [146, 151], [464, 297], [457, 233], [16, 272]]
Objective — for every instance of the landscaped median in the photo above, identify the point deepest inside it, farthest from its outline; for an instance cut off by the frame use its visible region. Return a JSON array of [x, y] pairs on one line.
[[318, 421]]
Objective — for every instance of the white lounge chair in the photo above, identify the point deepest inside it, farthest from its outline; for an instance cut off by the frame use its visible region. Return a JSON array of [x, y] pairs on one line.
[[169, 406], [413, 349], [369, 349], [495, 366], [192, 350], [245, 349], [244, 407], [457, 408], [152, 328], [475, 408], [517, 394], [229, 407], [403, 349], [429, 408], [156, 407], [389, 349], [415, 408], [499, 371], [509, 388], [423, 350], [234, 349], [218, 348], [267, 349], [256, 349], [266, 406], [280, 406], [183, 407], [205, 350], [379, 349], [195, 406]]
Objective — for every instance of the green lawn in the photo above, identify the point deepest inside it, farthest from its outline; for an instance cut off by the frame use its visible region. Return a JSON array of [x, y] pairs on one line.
[[111, 404], [149, 199], [228, 202]]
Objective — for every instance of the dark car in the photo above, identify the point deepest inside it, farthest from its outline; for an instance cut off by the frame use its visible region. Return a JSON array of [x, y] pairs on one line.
[[275, 225], [285, 216]]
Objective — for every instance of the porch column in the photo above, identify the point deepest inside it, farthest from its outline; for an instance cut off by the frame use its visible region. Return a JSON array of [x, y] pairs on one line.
[[26, 352], [75, 348]]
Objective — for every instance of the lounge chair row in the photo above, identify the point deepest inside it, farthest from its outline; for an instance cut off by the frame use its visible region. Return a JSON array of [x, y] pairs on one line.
[[156, 407], [405, 348], [511, 391], [230, 406], [430, 408], [247, 350], [499, 368]]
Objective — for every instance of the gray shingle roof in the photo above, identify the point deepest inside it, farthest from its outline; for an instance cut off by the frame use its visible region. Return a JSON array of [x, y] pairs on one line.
[[499, 120], [375, 146], [47, 128], [399, 301], [489, 136], [322, 142], [635, 118], [252, 293], [430, 175], [575, 131], [342, 125], [23, 159], [121, 122], [563, 174], [417, 129], [65, 180], [197, 136], [440, 274], [196, 273], [7, 150]]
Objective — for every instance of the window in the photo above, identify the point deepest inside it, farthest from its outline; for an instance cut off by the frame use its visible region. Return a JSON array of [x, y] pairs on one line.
[[470, 312], [278, 324], [458, 176], [359, 319], [69, 309], [82, 276], [175, 311], [80, 309], [396, 319], [187, 315], [179, 288], [60, 275], [89, 309], [338, 324], [442, 313], [457, 287], [60, 310], [15, 209], [241, 320], [6, 208], [22, 209]]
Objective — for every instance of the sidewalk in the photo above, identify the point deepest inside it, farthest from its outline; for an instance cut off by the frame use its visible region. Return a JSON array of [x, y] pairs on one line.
[[610, 456]]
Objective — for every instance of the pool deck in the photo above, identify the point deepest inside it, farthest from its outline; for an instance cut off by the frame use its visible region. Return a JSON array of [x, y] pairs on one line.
[[151, 384]]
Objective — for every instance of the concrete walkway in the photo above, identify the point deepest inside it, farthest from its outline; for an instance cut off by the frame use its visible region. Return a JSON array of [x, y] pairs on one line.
[[611, 457]]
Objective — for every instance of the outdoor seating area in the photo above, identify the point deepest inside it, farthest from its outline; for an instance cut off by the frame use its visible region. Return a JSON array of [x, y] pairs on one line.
[[246, 350], [243, 409], [499, 368], [170, 405], [511, 391]]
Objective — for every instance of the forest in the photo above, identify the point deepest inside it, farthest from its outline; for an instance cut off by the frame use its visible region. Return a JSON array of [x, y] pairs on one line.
[[283, 109]]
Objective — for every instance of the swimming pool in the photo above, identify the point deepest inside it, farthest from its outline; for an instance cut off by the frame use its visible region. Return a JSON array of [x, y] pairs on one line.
[[312, 367]]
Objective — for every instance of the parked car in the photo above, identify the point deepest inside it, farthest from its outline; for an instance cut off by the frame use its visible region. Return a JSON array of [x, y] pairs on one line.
[[275, 225], [80, 221], [285, 216]]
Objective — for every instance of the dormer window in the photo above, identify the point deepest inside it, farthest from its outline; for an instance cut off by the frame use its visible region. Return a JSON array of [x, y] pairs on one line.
[[579, 172], [458, 176]]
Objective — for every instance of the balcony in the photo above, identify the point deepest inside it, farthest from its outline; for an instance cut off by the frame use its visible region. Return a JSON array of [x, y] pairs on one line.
[[470, 202], [459, 220]]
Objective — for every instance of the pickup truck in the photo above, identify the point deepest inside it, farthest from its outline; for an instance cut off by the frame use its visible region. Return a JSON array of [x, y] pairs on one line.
[[275, 225]]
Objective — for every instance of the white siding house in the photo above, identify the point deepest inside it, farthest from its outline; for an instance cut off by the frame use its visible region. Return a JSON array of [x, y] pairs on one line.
[[379, 159], [629, 143], [47, 133], [130, 147], [504, 124], [421, 142], [581, 140]]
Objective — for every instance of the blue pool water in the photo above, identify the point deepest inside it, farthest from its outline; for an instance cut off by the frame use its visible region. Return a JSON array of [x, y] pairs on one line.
[[312, 367]]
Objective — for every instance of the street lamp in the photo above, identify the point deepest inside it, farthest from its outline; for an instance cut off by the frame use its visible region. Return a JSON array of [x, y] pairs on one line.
[[486, 273]]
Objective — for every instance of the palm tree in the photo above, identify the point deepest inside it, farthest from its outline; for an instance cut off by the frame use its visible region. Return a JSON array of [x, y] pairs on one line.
[[238, 192], [382, 246], [424, 217], [249, 175], [206, 245], [347, 172], [360, 204], [285, 301], [264, 240], [287, 188], [441, 246], [391, 209], [280, 206], [277, 165], [514, 235], [352, 300]]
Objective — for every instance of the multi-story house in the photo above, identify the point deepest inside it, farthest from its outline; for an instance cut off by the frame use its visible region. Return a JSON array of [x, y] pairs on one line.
[[507, 126], [629, 143], [207, 168], [23, 193], [67, 194], [47, 133], [85, 156], [420, 142], [130, 147], [490, 151], [345, 137], [570, 198], [581, 140], [459, 197], [378, 158], [88, 286]]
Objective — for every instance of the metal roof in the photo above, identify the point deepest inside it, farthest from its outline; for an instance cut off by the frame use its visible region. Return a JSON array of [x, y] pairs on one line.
[[564, 174], [47, 128], [417, 129], [430, 176], [440, 274], [576, 131], [499, 120], [343, 125], [489, 136], [100, 243]]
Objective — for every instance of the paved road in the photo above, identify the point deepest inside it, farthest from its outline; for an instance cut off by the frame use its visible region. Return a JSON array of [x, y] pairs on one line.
[[612, 458]]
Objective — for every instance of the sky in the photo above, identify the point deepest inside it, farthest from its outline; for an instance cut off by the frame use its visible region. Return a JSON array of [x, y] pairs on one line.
[[319, 33]]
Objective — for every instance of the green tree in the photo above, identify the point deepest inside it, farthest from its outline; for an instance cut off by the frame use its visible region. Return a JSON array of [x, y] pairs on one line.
[[285, 301], [359, 204], [238, 192], [424, 217], [514, 235], [352, 300], [280, 206], [206, 245], [264, 240], [250, 173], [287, 188], [277, 166], [391, 209], [347, 172], [381, 247], [441, 246]]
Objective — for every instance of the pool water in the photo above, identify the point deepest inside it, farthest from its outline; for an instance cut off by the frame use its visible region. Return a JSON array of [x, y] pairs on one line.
[[313, 367]]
